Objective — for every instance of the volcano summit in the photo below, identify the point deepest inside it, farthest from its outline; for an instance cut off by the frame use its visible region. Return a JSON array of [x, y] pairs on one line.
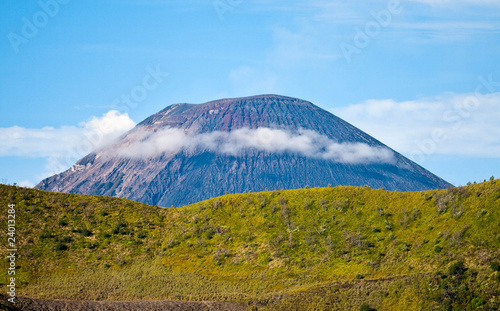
[[187, 153]]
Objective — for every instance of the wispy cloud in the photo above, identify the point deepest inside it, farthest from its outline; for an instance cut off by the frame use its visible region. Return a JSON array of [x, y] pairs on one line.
[[301, 45], [455, 124], [416, 23], [445, 31], [148, 144], [457, 2], [63, 146]]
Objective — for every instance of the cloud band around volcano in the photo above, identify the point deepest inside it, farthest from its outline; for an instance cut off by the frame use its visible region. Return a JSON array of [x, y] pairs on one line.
[[148, 144]]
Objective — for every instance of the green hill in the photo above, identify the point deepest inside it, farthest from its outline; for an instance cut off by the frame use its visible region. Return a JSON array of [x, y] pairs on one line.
[[341, 248]]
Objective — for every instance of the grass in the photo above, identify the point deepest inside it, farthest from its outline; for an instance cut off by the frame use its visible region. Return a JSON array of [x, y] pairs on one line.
[[340, 248]]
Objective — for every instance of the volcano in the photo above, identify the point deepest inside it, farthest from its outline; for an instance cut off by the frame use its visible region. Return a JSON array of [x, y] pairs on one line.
[[187, 153]]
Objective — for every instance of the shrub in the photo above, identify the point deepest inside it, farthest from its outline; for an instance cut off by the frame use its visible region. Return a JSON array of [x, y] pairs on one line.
[[120, 228], [281, 201], [495, 265], [208, 233], [392, 237], [307, 203], [481, 213], [262, 201], [457, 269], [324, 204], [356, 240], [45, 235], [264, 258], [221, 254], [63, 223], [216, 204], [366, 307], [85, 232], [310, 238], [477, 303], [388, 225], [61, 247]]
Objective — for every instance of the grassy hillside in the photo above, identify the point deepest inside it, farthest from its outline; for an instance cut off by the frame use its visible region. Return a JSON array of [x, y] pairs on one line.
[[340, 248]]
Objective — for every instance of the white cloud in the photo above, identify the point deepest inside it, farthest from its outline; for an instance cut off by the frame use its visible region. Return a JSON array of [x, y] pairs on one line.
[[458, 124], [147, 144], [26, 184], [107, 128], [65, 145]]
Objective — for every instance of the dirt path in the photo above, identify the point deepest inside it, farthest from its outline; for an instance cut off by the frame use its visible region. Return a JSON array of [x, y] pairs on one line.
[[68, 305]]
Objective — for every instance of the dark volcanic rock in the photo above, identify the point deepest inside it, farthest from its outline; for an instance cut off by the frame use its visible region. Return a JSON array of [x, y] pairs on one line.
[[191, 175]]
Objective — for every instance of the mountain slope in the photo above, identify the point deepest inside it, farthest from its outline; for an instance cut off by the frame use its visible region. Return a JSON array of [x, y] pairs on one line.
[[146, 166], [310, 249]]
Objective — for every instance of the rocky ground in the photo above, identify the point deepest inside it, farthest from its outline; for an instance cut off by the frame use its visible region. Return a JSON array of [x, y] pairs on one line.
[[67, 305]]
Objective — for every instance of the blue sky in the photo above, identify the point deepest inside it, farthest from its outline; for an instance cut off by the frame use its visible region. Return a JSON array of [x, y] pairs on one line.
[[422, 76]]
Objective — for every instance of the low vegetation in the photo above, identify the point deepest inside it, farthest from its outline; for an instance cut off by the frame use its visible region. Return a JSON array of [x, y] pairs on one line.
[[345, 248]]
